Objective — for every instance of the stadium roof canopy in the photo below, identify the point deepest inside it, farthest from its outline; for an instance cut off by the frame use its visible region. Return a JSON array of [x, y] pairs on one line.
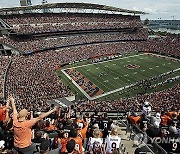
[[68, 6]]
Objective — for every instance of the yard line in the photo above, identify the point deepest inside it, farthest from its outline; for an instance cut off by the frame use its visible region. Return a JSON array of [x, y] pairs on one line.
[[104, 69], [108, 61], [123, 73], [96, 79]]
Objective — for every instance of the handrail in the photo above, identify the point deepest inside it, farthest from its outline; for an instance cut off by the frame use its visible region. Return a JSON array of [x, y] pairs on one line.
[[139, 130], [135, 134], [149, 138]]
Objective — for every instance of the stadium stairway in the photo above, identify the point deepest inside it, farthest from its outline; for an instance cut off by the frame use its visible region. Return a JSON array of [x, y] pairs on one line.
[[127, 145]]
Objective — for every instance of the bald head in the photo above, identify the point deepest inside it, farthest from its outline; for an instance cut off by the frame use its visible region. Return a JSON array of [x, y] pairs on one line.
[[22, 114]]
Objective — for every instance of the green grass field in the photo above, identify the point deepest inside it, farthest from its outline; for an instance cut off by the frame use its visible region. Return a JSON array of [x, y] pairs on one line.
[[114, 74]]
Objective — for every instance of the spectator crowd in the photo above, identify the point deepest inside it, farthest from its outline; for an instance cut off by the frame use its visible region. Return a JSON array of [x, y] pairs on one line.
[[53, 22], [31, 81], [4, 61]]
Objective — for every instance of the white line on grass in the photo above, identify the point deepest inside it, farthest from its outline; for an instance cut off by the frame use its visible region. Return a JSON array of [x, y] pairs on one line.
[[104, 94], [106, 61], [98, 80]]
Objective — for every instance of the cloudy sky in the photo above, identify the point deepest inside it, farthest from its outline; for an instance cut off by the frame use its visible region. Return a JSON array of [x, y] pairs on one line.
[[164, 9]]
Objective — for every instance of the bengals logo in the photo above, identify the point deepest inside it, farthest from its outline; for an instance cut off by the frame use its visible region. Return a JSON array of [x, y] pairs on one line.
[[132, 66]]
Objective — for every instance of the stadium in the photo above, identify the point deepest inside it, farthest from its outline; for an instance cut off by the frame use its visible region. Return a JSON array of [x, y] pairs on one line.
[[102, 71]]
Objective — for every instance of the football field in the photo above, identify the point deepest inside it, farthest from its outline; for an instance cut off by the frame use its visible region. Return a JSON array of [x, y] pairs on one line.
[[115, 75]]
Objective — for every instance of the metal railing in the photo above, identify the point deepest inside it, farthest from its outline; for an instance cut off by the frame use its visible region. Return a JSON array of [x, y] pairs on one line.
[[134, 130]]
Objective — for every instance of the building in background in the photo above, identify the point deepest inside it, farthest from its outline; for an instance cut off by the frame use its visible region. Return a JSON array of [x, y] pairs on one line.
[[25, 2]]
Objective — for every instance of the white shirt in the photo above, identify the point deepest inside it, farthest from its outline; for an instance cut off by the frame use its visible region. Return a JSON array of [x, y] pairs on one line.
[[95, 144], [112, 142]]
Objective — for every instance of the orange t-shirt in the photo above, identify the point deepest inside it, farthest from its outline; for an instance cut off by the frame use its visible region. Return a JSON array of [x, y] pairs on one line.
[[63, 142], [78, 141], [2, 113], [165, 119], [134, 119], [22, 132], [50, 128], [171, 113], [82, 132]]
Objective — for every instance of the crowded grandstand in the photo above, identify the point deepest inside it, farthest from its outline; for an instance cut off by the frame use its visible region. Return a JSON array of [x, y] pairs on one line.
[[49, 105]]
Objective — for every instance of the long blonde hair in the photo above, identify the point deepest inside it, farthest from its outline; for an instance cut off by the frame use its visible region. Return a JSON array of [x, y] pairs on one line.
[[115, 131], [96, 133]]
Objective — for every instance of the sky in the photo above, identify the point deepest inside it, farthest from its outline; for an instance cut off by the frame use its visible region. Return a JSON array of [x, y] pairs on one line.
[[157, 9]]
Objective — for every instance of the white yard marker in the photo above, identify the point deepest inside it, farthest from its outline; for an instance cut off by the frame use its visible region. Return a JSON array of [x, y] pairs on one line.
[[126, 75], [150, 68], [106, 81], [135, 73], [163, 64], [143, 70], [97, 67], [157, 66], [116, 78], [114, 64]]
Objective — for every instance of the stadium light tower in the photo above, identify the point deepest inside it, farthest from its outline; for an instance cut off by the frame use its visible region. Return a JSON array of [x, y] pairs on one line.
[[25, 2]]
